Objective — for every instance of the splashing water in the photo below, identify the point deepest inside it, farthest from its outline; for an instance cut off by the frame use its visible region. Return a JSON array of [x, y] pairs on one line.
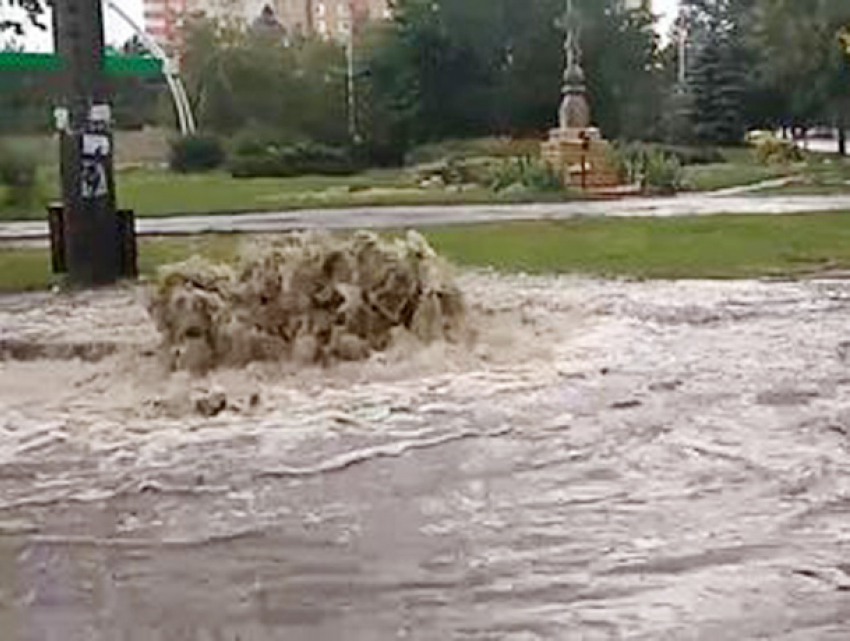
[[312, 298]]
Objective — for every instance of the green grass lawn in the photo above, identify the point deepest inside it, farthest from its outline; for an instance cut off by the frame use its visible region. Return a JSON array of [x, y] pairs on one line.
[[717, 247], [740, 169], [820, 174], [152, 193], [157, 192], [732, 174], [26, 269]]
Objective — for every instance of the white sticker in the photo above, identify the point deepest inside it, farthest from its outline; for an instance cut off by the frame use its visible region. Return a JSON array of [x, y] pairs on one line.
[[93, 176], [62, 117], [96, 145], [100, 113]]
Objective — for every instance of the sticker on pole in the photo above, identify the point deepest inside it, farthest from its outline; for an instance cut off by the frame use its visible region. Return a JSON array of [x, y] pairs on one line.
[[62, 118], [96, 150], [100, 113], [96, 145]]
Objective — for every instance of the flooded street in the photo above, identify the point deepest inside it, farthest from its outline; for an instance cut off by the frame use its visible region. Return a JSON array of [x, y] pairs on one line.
[[613, 460]]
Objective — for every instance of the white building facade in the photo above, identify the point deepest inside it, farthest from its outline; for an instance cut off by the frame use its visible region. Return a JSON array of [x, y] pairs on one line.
[[164, 19]]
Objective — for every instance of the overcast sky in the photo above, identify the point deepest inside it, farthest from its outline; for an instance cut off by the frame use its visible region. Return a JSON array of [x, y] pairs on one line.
[[118, 32]]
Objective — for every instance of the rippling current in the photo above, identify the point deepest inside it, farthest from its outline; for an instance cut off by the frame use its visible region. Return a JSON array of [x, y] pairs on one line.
[[613, 460]]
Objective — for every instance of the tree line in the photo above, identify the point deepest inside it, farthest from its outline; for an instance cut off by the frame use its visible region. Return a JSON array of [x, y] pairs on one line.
[[765, 64], [461, 68]]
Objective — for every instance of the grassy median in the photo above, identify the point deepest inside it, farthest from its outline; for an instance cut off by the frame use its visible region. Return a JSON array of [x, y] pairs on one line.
[[717, 247], [157, 193]]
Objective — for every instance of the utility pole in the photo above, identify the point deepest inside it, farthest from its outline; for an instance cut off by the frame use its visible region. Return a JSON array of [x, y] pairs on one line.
[[92, 230]]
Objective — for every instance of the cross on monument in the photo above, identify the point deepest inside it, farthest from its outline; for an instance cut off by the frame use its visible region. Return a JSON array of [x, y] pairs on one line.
[[569, 22], [576, 150], [575, 111]]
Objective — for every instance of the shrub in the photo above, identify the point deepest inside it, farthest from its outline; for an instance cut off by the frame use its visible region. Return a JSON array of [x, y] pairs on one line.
[[19, 174], [662, 173], [460, 149], [254, 160], [693, 155], [632, 155], [529, 173], [253, 140], [652, 167], [773, 151], [456, 171], [197, 153]]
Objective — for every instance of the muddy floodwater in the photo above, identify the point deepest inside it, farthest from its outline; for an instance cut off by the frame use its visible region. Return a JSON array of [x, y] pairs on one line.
[[612, 460]]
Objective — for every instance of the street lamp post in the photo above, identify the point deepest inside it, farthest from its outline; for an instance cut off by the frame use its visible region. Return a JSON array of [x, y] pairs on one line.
[[351, 84]]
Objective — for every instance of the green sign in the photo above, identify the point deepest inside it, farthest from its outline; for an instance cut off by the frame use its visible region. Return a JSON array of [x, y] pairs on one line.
[[116, 65], [133, 66]]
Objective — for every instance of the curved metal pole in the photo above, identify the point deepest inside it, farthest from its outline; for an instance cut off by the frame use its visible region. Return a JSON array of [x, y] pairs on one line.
[[185, 117], [188, 116]]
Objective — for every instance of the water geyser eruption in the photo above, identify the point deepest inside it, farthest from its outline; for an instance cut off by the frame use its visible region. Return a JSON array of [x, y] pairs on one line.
[[309, 298]]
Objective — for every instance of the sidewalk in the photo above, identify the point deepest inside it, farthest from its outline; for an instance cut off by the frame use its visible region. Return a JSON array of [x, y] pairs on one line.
[[423, 216]]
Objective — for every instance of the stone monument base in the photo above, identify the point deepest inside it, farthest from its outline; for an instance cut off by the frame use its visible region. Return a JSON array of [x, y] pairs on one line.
[[567, 150]]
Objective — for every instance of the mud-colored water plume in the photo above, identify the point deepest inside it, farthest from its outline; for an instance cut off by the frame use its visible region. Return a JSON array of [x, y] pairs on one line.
[[310, 298]]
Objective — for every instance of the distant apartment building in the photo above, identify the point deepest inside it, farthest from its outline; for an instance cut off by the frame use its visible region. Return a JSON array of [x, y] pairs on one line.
[[164, 19], [331, 18]]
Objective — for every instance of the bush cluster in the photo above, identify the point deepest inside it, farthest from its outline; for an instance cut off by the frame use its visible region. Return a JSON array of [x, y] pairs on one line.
[[258, 156], [652, 167], [458, 171], [196, 153], [688, 155], [19, 175], [773, 151], [527, 173], [463, 149]]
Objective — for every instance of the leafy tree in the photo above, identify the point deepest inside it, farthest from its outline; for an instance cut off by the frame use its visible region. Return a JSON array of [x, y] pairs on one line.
[[25, 100], [623, 64], [386, 95], [803, 54], [474, 67], [237, 79]]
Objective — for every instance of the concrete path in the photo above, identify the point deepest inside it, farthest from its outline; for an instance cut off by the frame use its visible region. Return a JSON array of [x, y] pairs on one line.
[[753, 188], [422, 216]]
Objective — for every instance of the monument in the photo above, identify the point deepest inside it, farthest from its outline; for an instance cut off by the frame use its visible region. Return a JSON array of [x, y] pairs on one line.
[[576, 149]]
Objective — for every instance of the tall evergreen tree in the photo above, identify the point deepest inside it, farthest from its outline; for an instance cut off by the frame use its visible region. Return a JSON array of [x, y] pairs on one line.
[[717, 80]]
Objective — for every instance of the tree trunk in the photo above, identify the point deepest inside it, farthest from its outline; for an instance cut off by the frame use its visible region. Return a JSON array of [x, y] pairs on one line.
[[842, 134]]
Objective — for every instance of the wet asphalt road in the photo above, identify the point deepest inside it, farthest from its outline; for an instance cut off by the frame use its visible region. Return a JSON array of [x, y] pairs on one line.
[[675, 465]]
